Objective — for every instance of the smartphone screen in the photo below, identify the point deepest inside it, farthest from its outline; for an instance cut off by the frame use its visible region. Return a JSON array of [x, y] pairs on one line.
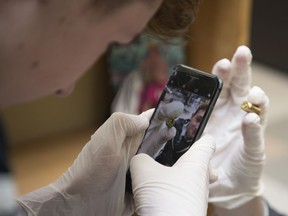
[[184, 108], [185, 104]]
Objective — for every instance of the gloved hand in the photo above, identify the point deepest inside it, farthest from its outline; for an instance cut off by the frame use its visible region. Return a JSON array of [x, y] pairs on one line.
[[158, 132], [239, 155], [95, 183], [178, 190]]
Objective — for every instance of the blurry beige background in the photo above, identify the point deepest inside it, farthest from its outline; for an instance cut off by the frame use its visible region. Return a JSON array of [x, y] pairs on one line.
[[46, 135]]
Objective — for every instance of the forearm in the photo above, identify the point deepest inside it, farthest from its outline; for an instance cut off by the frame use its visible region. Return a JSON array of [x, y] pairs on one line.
[[255, 207]]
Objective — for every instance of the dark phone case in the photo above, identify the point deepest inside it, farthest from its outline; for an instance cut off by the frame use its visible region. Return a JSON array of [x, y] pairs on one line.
[[188, 77], [216, 93]]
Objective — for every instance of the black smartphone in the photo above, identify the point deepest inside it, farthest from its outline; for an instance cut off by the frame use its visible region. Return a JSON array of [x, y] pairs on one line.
[[185, 104]]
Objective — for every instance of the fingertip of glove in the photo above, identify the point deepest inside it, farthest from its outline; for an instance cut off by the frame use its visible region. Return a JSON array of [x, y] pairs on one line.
[[142, 120], [243, 55], [257, 96], [207, 140], [243, 49], [222, 68], [173, 109], [223, 64], [131, 124], [147, 114]]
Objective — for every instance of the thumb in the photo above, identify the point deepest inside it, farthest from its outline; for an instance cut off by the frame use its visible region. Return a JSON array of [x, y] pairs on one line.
[[201, 151], [222, 68], [120, 125], [252, 132], [147, 114], [172, 109], [143, 166]]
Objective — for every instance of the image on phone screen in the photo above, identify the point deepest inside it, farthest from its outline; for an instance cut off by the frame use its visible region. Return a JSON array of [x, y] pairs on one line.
[[179, 108], [181, 115]]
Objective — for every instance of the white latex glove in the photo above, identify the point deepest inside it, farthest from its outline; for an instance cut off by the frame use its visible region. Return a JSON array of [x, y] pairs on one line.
[[95, 183], [178, 190], [239, 155], [158, 133]]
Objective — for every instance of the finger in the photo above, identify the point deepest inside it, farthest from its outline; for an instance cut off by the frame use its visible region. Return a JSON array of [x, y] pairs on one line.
[[166, 134], [119, 126], [241, 69], [140, 167], [253, 136], [222, 69], [156, 141], [258, 97], [201, 151], [147, 114], [173, 110]]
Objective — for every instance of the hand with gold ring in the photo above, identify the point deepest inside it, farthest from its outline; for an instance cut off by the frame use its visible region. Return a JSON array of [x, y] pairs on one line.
[[162, 129], [239, 134]]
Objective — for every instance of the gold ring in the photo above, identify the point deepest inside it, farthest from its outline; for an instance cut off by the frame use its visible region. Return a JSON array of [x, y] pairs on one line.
[[170, 122], [249, 107]]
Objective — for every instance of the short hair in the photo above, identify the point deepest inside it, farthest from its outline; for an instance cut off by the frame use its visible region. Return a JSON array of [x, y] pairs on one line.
[[203, 107], [172, 19]]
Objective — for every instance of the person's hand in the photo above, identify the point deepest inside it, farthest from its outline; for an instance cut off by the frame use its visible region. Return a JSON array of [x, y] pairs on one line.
[[239, 155], [95, 183], [158, 132], [178, 190]]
